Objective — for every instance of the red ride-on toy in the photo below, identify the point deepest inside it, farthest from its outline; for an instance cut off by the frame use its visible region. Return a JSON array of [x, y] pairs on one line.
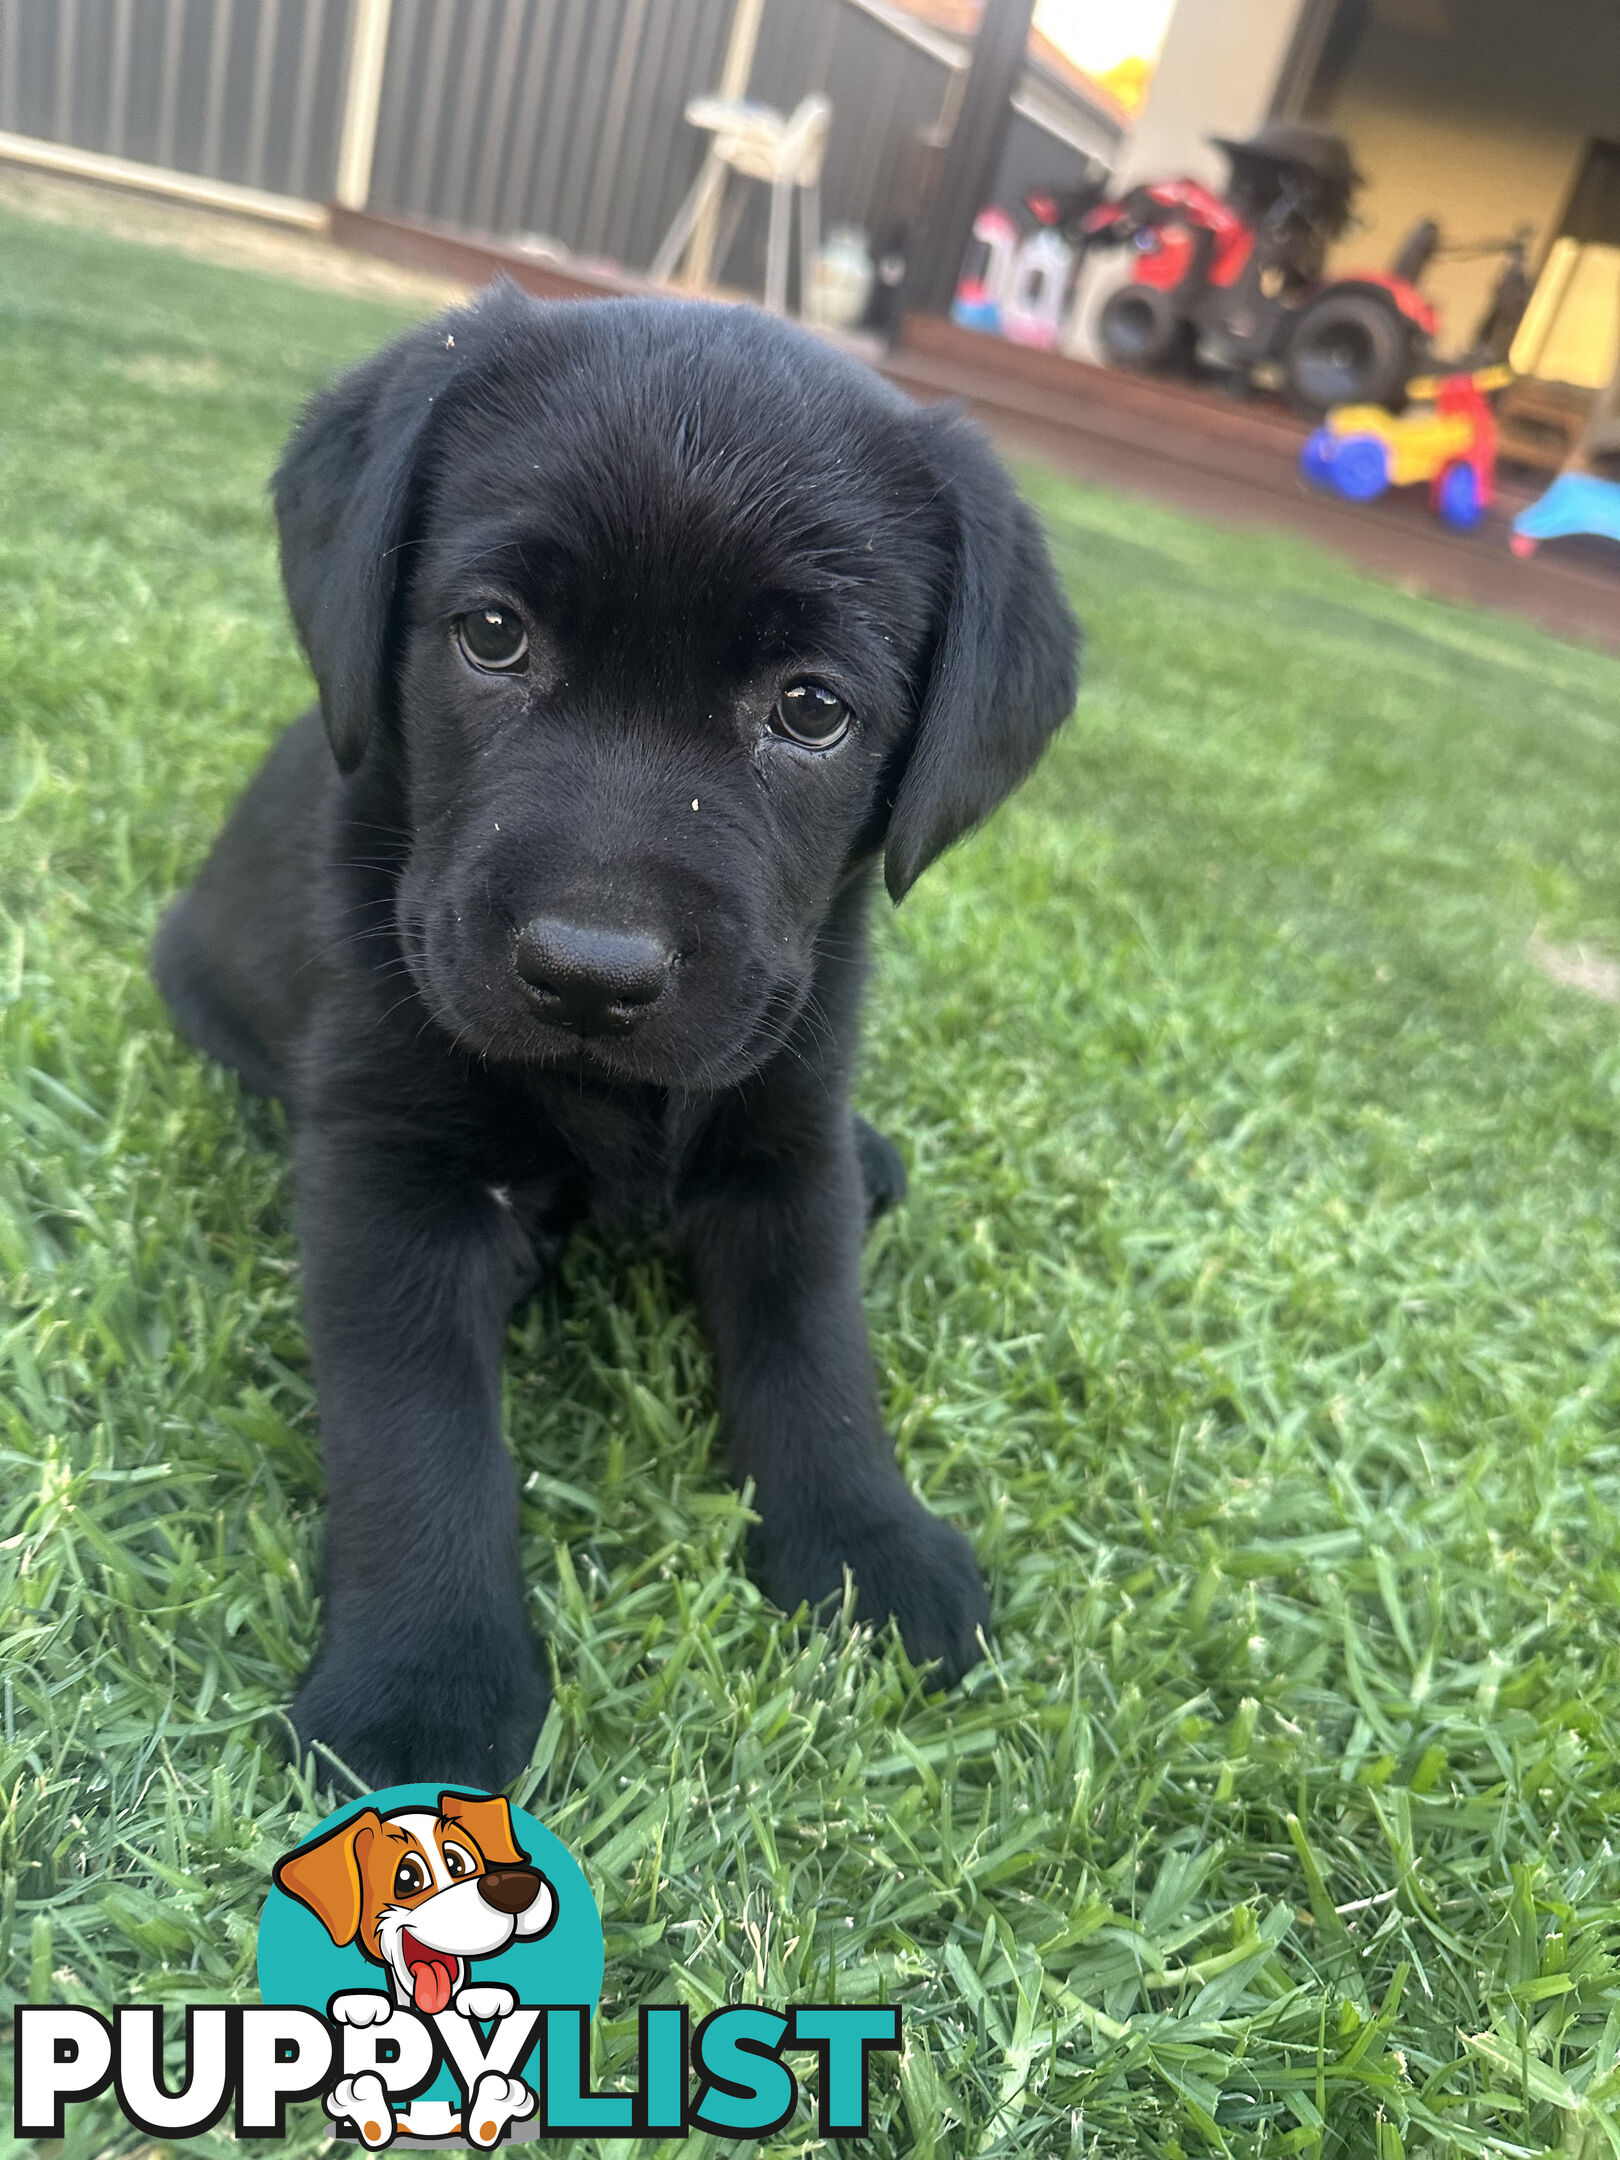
[[1235, 281]]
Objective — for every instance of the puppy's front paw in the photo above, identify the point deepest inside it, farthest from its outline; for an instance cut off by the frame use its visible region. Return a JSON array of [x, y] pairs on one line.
[[496, 2102], [484, 2003], [907, 1565], [364, 2101], [458, 1711], [364, 2007]]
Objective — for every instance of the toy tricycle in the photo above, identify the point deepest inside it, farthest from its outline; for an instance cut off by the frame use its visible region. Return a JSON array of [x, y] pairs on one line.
[[1449, 439]]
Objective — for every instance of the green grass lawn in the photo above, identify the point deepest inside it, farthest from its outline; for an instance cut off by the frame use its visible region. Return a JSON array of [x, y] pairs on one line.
[[1257, 1309]]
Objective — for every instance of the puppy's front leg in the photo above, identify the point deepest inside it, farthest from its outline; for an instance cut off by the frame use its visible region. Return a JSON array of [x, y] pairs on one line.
[[427, 1666], [774, 1239]]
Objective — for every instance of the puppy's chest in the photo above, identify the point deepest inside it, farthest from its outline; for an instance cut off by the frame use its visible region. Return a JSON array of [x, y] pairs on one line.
[[609, 1157]]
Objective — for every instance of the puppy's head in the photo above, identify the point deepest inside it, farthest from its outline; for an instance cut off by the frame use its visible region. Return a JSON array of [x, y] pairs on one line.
[[421, 1892], [665, 620]]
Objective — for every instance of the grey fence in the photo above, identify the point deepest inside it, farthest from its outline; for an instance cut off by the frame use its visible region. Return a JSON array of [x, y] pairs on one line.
[[563, 118], [558, 118], [553, 117], [246, 91]]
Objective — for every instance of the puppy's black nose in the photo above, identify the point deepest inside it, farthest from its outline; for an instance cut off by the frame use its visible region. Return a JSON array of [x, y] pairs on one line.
[[596, 982], [509, 1889]]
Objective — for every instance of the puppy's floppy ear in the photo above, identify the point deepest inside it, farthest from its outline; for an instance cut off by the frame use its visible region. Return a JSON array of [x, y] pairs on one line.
[[1006, 665], [488, 1823], [325, 1876], [345, 496]]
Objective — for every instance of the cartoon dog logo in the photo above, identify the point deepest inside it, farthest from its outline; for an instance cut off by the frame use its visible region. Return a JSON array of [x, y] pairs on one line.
[[422, 1894]]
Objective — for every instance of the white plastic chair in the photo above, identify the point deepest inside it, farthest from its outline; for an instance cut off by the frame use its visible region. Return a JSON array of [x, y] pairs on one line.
[[758, 143]]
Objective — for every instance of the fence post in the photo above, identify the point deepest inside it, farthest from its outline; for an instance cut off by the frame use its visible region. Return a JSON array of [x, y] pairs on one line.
[[362, 98], [972, 156]]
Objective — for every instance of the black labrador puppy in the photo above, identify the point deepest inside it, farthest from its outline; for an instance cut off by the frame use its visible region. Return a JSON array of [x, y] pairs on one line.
[[644, 631]]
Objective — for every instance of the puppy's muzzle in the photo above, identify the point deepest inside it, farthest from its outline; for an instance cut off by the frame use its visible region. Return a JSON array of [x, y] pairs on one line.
[[588, 980], [509, 1890]]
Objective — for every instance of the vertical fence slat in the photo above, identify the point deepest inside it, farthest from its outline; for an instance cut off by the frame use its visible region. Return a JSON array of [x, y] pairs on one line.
[[630, 179], [67, 39], [116, 131], [863, 181], [219, 58], [398, 75], [424, 163], [610, 149], [553, 137], [826, 38], [174, 39], [264, 61], [584, 116], [477, 24], [511, 210], [9, 63], [498, 119], [311, 33]]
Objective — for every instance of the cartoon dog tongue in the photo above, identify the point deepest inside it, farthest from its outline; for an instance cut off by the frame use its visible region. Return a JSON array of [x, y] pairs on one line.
[[433, 1975]]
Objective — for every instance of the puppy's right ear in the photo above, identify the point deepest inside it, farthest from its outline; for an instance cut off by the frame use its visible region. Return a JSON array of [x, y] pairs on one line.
[[325, 1876], [345, 496], [488, 1823]]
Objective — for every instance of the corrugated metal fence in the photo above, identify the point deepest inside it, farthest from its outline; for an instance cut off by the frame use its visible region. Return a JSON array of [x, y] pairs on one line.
[[558, 118], [553, 117], [564, 117], [245, 91]]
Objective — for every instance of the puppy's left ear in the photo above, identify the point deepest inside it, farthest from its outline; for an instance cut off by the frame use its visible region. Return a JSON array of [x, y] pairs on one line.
[[1006, 666], [488, 1823]]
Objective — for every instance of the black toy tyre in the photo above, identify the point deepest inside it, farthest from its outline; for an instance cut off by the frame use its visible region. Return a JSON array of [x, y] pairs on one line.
[[1348, 348], [1140, 328]]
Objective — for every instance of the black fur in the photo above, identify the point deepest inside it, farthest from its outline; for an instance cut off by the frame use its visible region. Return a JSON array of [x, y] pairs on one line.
[[688, 506]]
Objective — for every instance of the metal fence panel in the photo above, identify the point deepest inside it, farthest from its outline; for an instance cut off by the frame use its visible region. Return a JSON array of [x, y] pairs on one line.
[[1035, 158], [246, 91], [558, 118], [564, 119]]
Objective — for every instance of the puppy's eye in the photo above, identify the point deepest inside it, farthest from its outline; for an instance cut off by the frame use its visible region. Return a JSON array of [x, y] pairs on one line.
[[493, 640], [457, 1862], [810, 714], [409, 1877]]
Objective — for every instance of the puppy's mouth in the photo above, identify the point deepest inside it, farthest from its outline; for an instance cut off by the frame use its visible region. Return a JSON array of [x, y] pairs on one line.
[[714, 1050], [434, 1974], [721, 1056]]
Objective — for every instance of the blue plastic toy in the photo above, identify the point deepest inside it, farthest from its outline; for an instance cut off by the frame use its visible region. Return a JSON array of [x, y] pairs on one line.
[[1577, 502]]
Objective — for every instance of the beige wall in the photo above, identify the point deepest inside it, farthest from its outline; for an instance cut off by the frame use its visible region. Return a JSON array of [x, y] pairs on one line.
[[1214, 77], [1475, 112]]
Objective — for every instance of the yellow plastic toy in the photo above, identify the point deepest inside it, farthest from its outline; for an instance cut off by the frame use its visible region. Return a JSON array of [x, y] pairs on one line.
[[1447, 439]]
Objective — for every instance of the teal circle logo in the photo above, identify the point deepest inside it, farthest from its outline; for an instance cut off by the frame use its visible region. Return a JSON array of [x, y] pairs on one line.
[[429, 1899]]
